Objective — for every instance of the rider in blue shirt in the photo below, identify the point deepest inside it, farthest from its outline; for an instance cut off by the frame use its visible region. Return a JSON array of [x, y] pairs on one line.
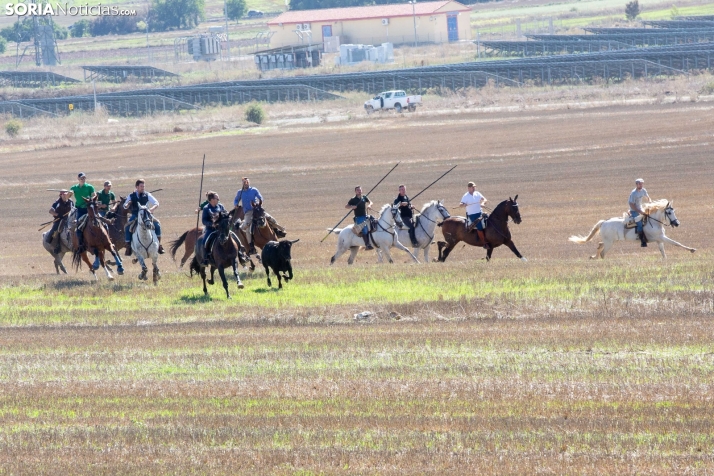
[[248, 195]]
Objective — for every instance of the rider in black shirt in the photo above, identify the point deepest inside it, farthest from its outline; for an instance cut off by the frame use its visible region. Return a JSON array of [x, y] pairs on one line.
[[405, 210]]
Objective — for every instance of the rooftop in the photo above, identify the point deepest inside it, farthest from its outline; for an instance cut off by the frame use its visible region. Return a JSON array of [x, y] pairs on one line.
[[367, 12]]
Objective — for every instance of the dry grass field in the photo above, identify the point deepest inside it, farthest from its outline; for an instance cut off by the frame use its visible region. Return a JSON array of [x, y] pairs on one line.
[[561, 365]]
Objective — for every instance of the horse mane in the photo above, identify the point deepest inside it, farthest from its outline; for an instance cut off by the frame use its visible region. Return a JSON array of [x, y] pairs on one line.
[[655, 205], [384, 208], [427, 205]]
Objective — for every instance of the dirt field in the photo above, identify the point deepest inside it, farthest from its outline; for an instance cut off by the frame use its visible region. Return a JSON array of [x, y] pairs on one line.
[[558, 365]]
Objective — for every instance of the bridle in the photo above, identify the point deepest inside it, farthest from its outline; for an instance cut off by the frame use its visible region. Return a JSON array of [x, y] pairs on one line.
[[147, 224], [667, 210], [440, 208]]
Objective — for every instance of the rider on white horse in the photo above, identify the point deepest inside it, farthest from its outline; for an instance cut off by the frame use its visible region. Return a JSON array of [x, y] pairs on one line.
[[473, 200], [137, 198], [60, 210], [360, 203], [210, 212], [406, 212], [636, 197]]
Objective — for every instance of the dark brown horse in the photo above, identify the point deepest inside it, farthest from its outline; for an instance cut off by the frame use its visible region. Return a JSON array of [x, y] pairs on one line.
[[225, 250], [497, 232], [96, 240], [189, 238], [119, 218]]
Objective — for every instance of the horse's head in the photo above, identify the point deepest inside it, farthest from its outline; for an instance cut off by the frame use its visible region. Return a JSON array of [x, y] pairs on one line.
[[442, 209], [259, 215], [396, 216], [512, 210], [146, 219], [223, 224], [91, 207], [669, 213]]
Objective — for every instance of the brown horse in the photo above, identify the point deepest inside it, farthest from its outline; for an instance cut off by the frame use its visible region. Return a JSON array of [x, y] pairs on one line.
[[189, 238], [225, 249], [497, 233], [96, 239], [119, 218], [262, 232]]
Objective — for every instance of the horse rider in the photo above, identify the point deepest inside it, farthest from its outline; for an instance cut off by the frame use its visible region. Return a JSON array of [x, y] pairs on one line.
[[81, 190], [212, 209], [248, 195], [406, 210], [60, 210], [635, 202], [473, 200], [105, 198], [360, 203], [140, 197]]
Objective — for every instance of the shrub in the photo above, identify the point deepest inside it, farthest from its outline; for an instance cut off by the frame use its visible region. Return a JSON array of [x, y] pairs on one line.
[[236, 9], [12, 127], [81, 28], [255, 114], [708, 88], [632, 10]]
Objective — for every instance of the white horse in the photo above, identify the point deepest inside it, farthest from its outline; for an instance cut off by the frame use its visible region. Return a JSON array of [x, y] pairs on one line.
[[658, 213], [145, 244], [384, 238], [65, 238], [424, 227]]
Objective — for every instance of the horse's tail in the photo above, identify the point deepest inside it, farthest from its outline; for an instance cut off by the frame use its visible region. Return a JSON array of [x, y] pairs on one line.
[[194, 267], [176, 244], [584, 239], [77, 259]]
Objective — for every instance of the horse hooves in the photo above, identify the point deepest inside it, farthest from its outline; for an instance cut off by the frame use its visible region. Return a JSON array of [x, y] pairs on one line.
[[210, 281], [524, 259], [692, 250], [240, 286]]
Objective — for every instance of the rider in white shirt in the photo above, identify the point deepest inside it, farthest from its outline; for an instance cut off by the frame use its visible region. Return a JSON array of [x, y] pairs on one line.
[[473, 200]]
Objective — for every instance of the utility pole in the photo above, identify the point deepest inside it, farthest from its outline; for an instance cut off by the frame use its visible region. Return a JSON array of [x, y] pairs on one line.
[[228, 42], [413, 2]]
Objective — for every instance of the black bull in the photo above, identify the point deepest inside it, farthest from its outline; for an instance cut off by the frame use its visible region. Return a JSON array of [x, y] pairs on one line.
[[276, 255]]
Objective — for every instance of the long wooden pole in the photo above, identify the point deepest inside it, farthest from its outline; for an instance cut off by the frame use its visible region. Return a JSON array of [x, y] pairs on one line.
[[200, 191], [348, 213]]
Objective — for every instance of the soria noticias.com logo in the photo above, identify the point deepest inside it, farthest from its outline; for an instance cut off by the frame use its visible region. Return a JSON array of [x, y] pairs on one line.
[[23, 9]]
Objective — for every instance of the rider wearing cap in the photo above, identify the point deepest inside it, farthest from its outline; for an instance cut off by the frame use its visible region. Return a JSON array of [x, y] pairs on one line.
[[137, 198], [81, 191], [473, 200], [60, 210], [636, 197], [105, 198], [248, 196]]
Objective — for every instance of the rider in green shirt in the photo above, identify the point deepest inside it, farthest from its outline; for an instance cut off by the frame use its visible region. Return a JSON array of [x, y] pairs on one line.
[[106, 197], [81, 191]]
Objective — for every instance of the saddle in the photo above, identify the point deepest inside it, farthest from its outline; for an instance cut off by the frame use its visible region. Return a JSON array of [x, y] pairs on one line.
[[471, 227], [631, 222], [82, 222], [132, 226]]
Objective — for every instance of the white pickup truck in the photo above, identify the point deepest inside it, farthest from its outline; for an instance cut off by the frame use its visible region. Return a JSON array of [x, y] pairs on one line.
[[397, 100]]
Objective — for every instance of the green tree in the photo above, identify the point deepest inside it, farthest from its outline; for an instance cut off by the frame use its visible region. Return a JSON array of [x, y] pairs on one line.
[[23, 31], [81, 28], [255, 114], [236, 9], [176, 14], [632, 10]]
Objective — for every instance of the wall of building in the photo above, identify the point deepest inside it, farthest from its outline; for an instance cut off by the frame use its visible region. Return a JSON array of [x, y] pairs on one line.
[[429, 29]]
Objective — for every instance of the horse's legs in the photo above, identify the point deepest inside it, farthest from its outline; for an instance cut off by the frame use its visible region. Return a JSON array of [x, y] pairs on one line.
[[85, 258], [100, 255], [513, 248], [604, 248], [353, 252], [661, 249], [426, 253], [489, 252], [669, 240], [235, 273], [400, 246], [222, 274], [203, 276], [379, 255], [447, 247], [213, 270], [144, 270], [340, 251]]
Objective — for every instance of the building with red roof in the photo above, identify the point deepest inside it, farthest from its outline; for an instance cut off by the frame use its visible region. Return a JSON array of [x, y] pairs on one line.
[[402, 23]]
